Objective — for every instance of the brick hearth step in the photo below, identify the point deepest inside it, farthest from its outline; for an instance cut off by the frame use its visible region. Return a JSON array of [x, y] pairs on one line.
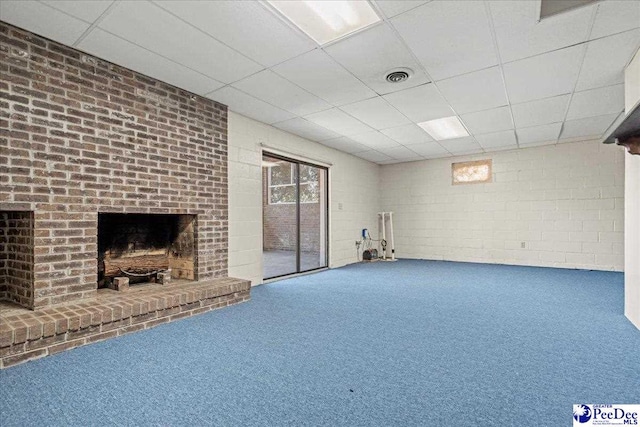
[[26, 335]]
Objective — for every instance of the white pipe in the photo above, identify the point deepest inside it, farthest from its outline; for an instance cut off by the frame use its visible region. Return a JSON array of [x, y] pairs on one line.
[[384, 236], [393, 251]]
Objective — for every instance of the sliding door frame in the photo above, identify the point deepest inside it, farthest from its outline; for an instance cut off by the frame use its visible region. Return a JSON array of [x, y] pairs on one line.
[[325, 224]]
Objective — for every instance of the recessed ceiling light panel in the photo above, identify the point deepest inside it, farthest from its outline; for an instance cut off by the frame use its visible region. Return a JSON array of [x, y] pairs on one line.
[[325, 21], [445, 128]]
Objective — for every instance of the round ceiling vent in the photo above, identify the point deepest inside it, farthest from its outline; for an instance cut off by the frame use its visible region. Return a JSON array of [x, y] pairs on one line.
[[398, 75]]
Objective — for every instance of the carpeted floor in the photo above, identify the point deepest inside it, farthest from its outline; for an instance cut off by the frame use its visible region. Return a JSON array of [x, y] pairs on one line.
[[384, 344]]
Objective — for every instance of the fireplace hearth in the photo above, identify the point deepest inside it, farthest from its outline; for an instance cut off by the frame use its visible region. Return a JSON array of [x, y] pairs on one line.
[[109, 178]]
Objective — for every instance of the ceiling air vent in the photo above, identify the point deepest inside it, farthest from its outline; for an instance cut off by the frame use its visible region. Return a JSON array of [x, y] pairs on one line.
[[398, 76]]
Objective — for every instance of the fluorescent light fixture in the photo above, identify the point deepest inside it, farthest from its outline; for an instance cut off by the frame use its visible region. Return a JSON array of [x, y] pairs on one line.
[[445, 128], [325, 21]]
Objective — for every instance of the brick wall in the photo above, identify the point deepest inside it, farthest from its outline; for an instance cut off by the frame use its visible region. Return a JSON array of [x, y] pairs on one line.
[[280, 227], [279, 231], [16, 257], [79, 135]]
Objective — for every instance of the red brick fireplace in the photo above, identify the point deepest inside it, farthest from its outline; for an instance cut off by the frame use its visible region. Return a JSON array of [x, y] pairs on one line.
[[84, 144]]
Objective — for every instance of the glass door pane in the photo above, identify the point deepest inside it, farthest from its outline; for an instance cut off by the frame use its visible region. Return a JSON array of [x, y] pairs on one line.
[[313, 217], [280, 217], [294, 203]]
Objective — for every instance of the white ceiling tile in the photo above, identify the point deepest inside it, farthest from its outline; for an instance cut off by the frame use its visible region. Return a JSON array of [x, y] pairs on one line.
[[539, 143], [318, 73], [452, 39], [392, 162], [493, 120], [520, 34], [155, 29], [339, 121], [505, 138], [87, 10], [597, 102], [306, 129], [538, 134], [345, 144], [278, 91], [420, 103], [408, 134], [376, 112], [430, 150], [594, 138], [465, 145], [543, 76], [400, 153], [373, 156], [501, 148], [245, 26], [374, 140], [43, 20], [449, 37], [126, 54], [606, 58], [249, 106], [541, 111], [391, 8], [371, 54], [615, 16], [589, 127], [475, 91]]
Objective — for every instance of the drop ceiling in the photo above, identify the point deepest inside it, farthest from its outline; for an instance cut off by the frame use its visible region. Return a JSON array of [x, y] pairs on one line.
[[514, 81]]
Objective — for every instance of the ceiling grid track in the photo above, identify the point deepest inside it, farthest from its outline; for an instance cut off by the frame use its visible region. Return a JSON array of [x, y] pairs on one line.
[[510, 80], [575, 84], [492, 28], [322, 48], [433, 82], [95, 23]]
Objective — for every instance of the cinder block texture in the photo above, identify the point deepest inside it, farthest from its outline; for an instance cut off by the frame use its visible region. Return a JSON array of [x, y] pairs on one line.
[[553, 206]]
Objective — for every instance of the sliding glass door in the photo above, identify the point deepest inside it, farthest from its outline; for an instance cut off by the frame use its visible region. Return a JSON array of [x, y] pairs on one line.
[[294, 216]]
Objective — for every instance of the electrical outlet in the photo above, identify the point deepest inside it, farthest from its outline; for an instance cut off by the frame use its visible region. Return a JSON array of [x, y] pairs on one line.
[[523, 245], [339, 206]]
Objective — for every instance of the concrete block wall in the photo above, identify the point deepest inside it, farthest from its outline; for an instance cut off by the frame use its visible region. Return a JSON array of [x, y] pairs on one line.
[[564, 203], [353, 194]]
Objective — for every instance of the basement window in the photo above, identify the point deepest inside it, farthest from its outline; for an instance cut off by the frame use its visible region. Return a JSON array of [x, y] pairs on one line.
[[478, 171]]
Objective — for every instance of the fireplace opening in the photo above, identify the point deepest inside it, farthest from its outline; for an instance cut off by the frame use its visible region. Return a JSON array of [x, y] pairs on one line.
[[16, 257], [145, 248]]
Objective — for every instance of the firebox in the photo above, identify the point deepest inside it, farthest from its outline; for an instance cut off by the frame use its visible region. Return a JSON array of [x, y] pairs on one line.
[[145, 248], [16, 257]]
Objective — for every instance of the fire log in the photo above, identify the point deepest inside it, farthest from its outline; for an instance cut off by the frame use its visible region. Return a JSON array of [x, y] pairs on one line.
[[139, 264]]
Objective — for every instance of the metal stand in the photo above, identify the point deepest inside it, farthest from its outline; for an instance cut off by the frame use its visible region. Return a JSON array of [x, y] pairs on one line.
[[386, 236]]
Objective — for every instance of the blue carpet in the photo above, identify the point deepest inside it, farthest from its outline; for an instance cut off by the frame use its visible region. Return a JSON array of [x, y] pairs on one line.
[[406, 343]]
